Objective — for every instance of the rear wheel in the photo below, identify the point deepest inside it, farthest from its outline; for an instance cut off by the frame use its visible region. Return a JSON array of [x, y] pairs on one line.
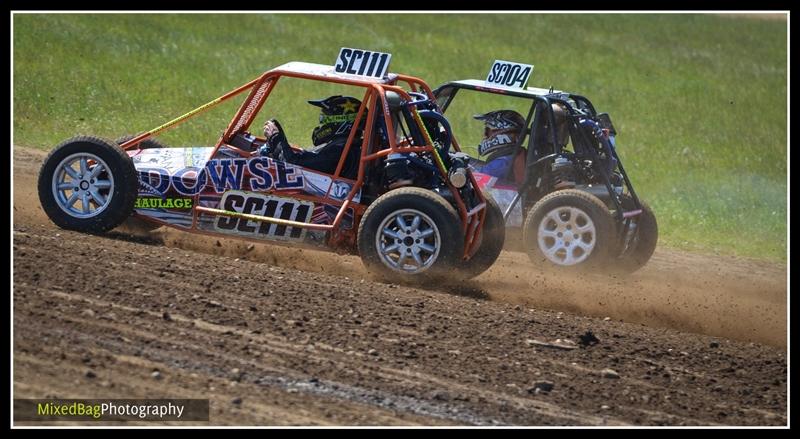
[[491, 243], [87, 184], [635, 250], [569, 229], [410, 235]]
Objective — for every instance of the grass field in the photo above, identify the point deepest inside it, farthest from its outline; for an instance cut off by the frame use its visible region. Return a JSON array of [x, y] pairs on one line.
[[700, 100]]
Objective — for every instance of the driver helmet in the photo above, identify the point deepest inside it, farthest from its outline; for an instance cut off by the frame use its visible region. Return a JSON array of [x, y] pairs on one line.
[[336, 117], [501, 133]]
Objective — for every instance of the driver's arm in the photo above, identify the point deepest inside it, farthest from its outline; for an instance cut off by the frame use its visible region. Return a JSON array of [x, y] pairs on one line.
[[498, 167], [278, 147], [324, 158]]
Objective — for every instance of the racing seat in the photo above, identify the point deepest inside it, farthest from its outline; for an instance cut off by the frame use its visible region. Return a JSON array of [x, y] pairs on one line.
[[540, 143], [352, 161]]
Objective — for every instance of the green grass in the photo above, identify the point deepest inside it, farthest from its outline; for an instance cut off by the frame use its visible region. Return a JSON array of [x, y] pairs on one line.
[[699, 100]]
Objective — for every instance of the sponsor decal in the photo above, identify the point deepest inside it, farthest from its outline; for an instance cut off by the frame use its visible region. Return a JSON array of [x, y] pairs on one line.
[[340, 190], [340, 118], [362, 62], [484, 180], [146, 189], [263, 205], [499, 120], [163, 203], [509, 74], [493, 142], [172, 158], [220, 175], [316, 184]]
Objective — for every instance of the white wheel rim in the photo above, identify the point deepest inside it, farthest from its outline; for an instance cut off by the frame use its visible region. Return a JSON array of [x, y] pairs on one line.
[[567, 236], [83, 180], [408, 241]]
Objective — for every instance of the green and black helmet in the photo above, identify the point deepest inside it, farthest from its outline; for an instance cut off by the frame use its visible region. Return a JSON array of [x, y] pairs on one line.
[[336, 118]]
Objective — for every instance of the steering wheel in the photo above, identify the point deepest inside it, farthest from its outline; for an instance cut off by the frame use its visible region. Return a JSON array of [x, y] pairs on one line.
[[419, 99]]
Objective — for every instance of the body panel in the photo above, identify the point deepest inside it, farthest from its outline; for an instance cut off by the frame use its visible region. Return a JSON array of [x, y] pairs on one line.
[[173, 180]]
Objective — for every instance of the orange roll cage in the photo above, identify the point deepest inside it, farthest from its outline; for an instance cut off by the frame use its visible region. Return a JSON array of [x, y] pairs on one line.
[[374, 97]]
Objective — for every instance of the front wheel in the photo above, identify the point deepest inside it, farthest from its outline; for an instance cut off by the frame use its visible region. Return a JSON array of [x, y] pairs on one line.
[[87, 184], [410, 235], [569, 229]]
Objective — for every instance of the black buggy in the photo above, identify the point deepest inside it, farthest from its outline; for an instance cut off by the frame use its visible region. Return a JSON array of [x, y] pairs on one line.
[[576, 205]]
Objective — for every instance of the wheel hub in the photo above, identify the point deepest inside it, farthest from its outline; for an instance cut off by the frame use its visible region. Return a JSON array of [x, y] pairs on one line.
[[83, 185], [566, 236], [408, 241]]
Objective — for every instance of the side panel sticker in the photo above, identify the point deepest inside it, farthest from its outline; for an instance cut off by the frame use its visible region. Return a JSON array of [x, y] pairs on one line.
[[263, 205]]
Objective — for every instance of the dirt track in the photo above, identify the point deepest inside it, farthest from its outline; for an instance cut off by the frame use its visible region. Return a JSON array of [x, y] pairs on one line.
[[282, 336]]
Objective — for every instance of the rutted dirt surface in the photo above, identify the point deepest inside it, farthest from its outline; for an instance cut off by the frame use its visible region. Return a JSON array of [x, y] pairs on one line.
[[734, 298], [282, 336]]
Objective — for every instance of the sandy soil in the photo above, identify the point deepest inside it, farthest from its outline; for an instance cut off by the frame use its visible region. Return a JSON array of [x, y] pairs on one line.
[[278, 336]]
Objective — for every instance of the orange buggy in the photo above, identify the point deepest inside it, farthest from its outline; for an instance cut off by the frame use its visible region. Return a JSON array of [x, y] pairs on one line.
[[413, 212]]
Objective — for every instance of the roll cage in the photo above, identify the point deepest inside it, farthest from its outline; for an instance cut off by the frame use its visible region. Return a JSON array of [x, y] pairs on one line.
[[471, 210], [541, 99]]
